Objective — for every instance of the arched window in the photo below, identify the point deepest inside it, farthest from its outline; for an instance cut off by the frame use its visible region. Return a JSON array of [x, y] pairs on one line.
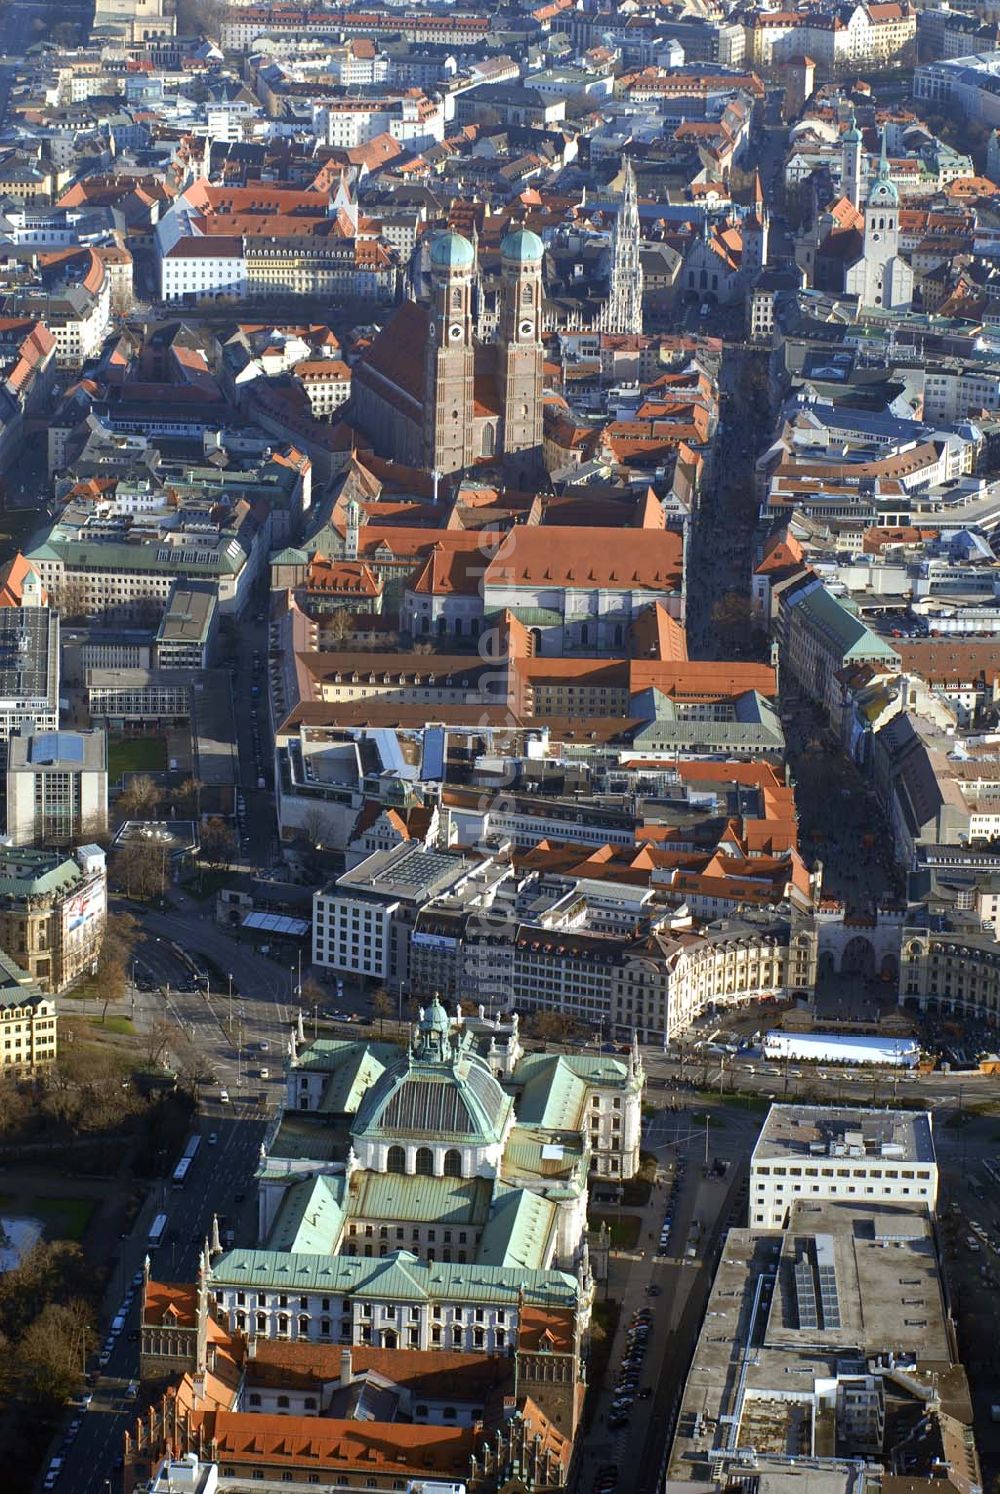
[[425, 1162], [425, 625], [282, 1323], [304, 1327], [584, 633], [489, 441], [396, 1160], [456, 299], [458, 627], [526, 294], [262, 1322], [453, 1163]]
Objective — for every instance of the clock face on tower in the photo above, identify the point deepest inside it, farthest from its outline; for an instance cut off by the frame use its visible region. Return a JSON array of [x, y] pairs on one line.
[[454, 332], [526, 329]]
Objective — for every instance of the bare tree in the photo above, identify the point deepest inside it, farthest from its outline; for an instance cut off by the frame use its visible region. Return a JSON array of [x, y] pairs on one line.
[[158, 1040], [53, 1349], [316, 827], [554, 1025], [116, 952], [139, 797], [338, 627], [139, 867], [382, 1007], [94, 831], [218, 844], [186, 798], [70, 597]]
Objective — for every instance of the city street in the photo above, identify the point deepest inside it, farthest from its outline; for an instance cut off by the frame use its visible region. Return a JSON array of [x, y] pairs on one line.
[[722, 534], [679, 1285], [221, 1171], [840, 822]]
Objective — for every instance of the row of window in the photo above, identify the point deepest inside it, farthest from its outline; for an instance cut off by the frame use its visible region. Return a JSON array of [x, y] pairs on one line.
[[386, 1310], [840, 1172], [388, 1337]]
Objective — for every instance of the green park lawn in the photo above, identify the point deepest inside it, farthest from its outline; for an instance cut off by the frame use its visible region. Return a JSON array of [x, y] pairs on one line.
[[136, 755]]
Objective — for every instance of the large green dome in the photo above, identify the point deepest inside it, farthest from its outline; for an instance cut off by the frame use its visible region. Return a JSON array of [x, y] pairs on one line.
[[450, 251], [522, 245], [459, 1102]]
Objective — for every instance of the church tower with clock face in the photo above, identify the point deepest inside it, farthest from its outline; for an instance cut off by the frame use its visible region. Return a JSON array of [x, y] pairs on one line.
[[450, 358], [521, 354]]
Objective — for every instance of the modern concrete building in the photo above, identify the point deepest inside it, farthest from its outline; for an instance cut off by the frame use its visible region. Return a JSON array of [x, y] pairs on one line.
[[814, 1152], [185, 638], [29, 670], [826, 1361], [362, 921], [57, 787]]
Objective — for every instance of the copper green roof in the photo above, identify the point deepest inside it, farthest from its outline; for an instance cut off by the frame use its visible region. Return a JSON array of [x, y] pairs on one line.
[[352, 1078], [555, 1162], [412, 1197], [555, 1087], [27, 873], [399, 1277], [520, 1230], [311, 1216], [457, 1101]]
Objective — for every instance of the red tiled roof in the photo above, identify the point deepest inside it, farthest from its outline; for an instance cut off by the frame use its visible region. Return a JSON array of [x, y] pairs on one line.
[[614, 558]]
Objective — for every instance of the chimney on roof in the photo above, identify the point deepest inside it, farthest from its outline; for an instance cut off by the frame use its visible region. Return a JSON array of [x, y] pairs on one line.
[[346, 1371]]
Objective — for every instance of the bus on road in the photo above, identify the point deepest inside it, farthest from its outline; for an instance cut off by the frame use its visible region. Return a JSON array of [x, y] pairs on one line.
[[157, 1230], [187, 1162]]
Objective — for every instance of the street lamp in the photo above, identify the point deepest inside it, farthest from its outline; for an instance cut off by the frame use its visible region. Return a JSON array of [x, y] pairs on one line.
[[230, 980]]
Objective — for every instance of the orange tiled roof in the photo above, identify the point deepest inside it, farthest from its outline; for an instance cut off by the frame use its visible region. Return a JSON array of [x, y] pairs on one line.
[[170, 1303], [12, 581], [648, 559]]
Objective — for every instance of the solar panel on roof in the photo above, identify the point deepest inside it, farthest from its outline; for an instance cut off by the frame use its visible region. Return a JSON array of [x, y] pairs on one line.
[[805, 1295]]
